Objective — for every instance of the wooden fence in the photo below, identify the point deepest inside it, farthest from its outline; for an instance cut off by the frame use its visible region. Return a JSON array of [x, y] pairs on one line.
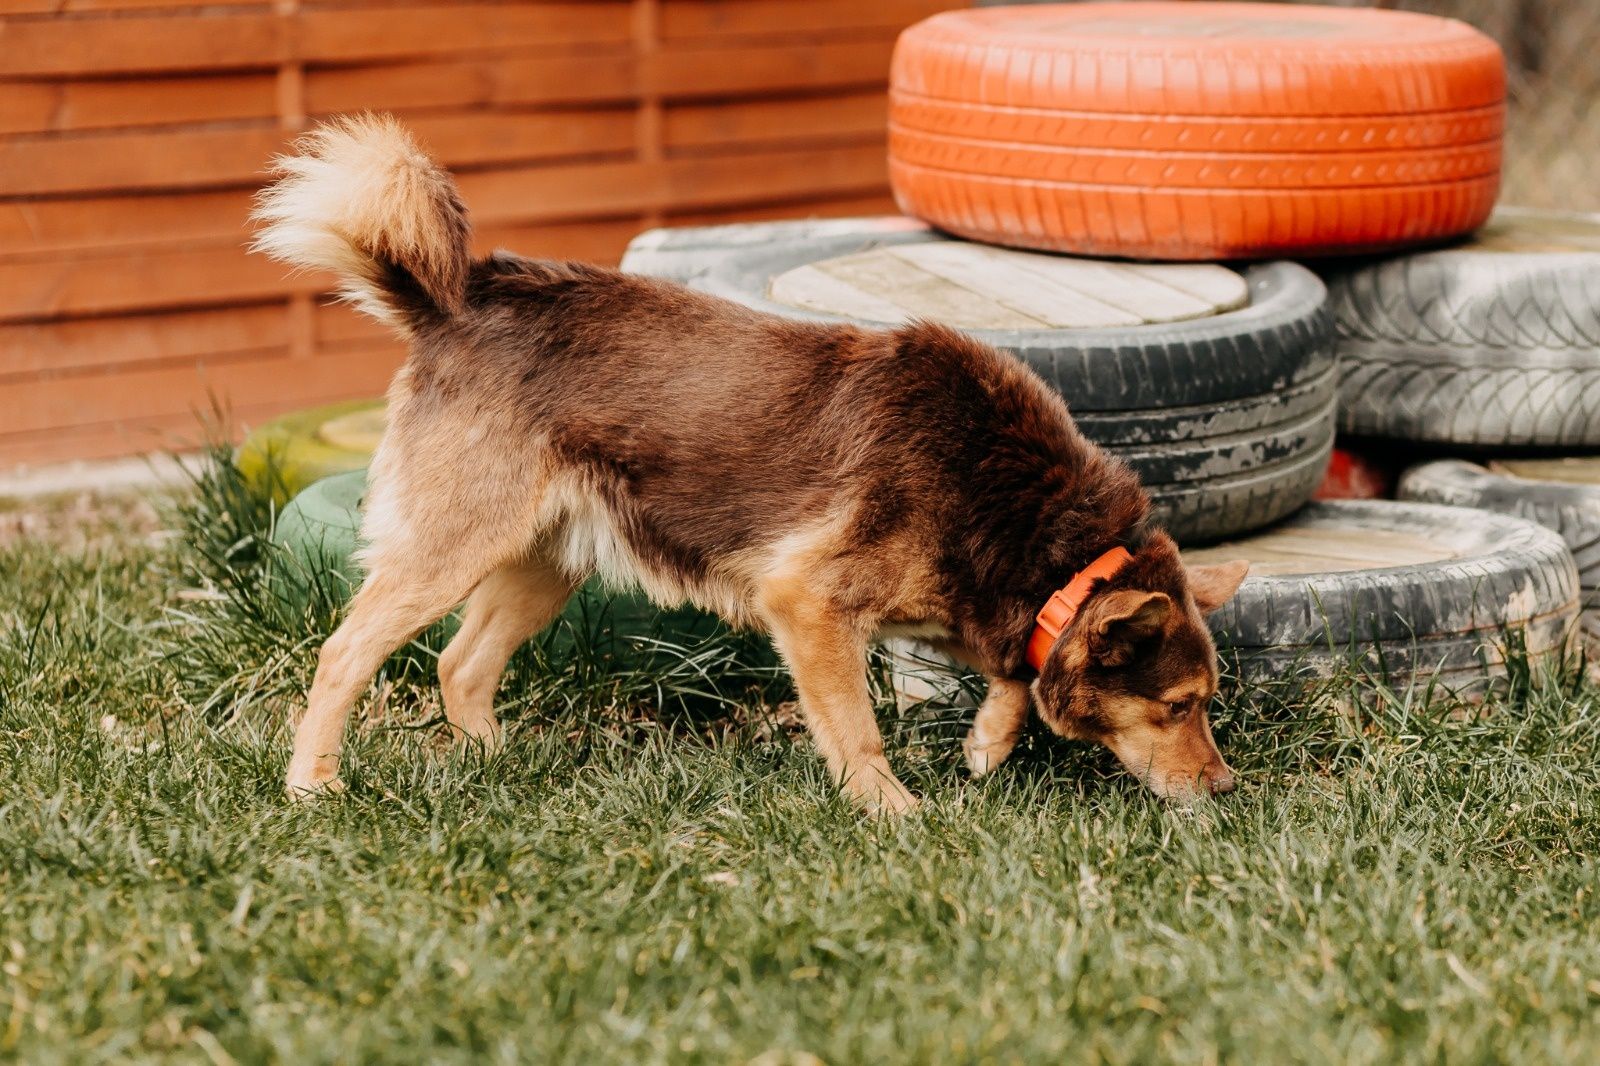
[[134, 132]]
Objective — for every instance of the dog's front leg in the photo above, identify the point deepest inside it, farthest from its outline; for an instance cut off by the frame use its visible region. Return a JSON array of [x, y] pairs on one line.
[[998, 725], [827, 656]]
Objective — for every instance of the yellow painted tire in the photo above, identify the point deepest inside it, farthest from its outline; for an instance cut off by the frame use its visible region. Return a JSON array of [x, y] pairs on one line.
[[285, 455]]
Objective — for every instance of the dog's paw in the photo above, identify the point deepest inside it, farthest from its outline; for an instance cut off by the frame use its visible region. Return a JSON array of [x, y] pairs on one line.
[[981, 757], [302, 787], [892, 802], [484, 741], [876, 790]]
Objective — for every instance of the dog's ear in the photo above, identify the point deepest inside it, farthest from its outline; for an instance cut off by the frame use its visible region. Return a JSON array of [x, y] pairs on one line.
[[1213, 586], [1122, 619]]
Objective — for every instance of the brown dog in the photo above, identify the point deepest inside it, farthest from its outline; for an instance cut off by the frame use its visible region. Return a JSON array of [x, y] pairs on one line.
[[826, 483]]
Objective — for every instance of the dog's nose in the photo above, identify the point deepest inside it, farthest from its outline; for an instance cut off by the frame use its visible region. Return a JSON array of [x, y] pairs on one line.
[[1220, 781]]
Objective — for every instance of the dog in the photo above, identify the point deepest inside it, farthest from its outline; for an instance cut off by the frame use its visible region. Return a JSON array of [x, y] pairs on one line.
[[827, 484]]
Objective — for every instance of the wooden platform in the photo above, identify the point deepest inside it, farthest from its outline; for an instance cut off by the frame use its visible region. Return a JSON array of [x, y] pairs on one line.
[[1320, 551], [981, 287], [1570, 470]]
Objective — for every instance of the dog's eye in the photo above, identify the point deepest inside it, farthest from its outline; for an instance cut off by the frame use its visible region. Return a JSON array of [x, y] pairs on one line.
[[1179, 710]]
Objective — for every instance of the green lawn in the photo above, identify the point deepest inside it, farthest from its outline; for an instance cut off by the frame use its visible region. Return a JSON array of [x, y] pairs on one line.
[[656, 871]]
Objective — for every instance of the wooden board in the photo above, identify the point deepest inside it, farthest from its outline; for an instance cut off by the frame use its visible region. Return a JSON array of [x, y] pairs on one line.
[[733, 18], [52, 404], [161, 42], [981, 287], [723, 124], [1569, 470], [1321, 551], [1514, 229], [43, 229]]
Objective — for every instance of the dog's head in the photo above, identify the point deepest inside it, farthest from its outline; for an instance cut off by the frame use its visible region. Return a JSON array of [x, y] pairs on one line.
[[1136, 670]]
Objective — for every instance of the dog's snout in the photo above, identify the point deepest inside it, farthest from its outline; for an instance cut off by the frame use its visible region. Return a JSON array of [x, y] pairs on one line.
[[1219, 780]]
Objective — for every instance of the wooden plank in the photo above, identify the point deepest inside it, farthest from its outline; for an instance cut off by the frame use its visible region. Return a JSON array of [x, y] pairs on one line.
[[595, 241], [1317, 551], [1565, 470], [156, 43], [1012, 285], [73, 7], [920, 294], [327, 35], [981, 287], [817, 290], [50, 227], [107, 440], [198, 277], [830, 207], [60, 106], [45, 229], [66, 346], [598, 77], [98, 162], [186, 158], [477, 82], [149, 280], [718, 125], [736, 18], [50, 404], [761, 67], [1078, 293], [31, 48], [685, 72], [622, 188], [475, 139]]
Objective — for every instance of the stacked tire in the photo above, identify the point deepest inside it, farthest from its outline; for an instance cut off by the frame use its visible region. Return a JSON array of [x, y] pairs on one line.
[[1487, 352], [1490, 345], [1405, 592], [1417, 592], [1561, 494], [1196, 130], [1226, 416]]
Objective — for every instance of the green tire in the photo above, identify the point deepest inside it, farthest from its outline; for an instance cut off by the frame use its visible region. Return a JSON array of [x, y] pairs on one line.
[[320, 530], [283, 457]]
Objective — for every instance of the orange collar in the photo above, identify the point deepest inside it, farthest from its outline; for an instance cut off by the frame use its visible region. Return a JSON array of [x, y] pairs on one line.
[[1064, 603]]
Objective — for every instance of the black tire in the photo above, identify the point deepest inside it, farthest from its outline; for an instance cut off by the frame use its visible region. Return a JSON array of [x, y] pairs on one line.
[[1203, 511], [1228, 420], [284, 456], [1571, 509], [1482, 345], [1506, 582], [1280, 338]]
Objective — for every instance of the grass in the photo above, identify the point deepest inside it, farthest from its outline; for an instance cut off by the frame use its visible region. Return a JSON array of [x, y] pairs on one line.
[[656, 869]]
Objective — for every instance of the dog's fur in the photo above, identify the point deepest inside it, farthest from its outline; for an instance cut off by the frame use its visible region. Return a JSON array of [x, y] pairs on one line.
[[828, 484]]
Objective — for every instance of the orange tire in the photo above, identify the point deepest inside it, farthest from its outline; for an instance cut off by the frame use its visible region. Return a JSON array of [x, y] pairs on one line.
[[1196, 130]]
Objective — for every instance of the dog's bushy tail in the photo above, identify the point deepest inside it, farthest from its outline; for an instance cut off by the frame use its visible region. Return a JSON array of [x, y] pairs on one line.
[[359, 198]]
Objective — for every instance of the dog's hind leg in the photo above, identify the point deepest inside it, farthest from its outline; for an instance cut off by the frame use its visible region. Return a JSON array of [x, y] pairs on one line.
[[394, 604], [508, 607], [432, 539], [998, 725], [828, 659]]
